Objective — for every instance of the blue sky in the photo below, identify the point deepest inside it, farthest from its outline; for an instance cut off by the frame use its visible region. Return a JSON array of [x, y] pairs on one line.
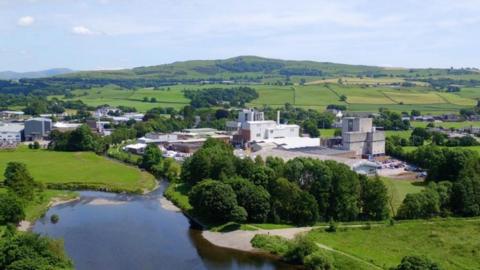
[[111, 34]]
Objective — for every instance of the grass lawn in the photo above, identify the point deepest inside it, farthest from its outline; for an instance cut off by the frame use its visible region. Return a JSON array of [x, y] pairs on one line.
[[454, 244], [398, 189], [178, 194], [85, 168], [401, 133], [447, 124]]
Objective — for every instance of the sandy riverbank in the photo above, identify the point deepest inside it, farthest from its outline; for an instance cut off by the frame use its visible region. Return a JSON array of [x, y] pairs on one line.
[[240, 240], [26, 225]]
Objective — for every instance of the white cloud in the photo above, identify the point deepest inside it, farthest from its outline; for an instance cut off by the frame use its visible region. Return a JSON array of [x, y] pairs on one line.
[[82, 30], [25, 21]]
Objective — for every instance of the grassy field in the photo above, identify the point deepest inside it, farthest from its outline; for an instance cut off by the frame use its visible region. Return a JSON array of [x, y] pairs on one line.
[[51, 167], [454, 244], [447, 124], [398, 189], [312, 96]]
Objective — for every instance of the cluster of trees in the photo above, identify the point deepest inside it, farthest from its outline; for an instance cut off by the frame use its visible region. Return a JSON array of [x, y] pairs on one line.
[[80, 139], [236, 96], [454, 184], [25, 250], [153, 161], [300, 191], [391, 121]]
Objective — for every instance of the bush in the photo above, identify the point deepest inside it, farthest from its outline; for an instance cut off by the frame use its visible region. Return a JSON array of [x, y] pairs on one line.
[[54, 218], [416, 263], [11, 209], [274, 244], [300, 249], [318, 261]]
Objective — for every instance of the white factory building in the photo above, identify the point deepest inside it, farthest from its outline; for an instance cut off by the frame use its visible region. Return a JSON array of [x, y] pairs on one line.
[[359, 135], [10, 133], [251, 126]]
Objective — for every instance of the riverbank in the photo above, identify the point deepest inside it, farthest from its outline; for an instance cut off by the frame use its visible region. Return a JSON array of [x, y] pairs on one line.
[[241, 240], [36, 210]]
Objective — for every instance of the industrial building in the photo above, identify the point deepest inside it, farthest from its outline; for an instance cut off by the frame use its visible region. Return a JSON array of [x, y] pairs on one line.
[[251, 126], [359, 135], [10, 133], [37, 128]]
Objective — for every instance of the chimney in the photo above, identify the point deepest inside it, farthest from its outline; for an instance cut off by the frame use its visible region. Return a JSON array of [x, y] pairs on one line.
[[278, 117]]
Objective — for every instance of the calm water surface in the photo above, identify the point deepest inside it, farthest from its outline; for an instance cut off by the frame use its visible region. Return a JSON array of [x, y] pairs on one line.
[[135, 232]]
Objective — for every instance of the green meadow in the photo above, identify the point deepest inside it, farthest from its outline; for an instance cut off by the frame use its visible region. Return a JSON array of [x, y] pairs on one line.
[[452, 243], [79, 168], [367, 98]]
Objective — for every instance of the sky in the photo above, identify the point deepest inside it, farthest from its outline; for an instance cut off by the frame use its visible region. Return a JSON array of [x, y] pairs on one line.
[[114, 34]]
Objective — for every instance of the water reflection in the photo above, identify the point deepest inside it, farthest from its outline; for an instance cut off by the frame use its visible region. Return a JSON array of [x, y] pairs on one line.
[[111, 231]]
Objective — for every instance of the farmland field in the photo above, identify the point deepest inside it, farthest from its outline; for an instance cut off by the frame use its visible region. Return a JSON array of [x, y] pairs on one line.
[[315, 96], [454, 244], [51, 167]]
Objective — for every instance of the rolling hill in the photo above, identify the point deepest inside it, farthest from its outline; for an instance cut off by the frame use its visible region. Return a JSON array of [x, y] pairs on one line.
[[12, 75]]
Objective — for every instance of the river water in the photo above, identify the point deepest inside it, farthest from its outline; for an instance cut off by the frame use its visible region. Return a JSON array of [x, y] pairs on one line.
[[105, 231]]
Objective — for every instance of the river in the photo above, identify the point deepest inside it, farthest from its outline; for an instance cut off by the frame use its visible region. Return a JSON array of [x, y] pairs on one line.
[[105, 231]]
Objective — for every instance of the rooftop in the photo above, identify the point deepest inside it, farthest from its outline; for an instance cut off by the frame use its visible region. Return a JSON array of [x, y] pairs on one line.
[[11, 127]]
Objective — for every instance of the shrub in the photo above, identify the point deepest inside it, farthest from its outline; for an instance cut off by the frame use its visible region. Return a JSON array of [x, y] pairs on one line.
[[318, 261], [300, 248], [54, 218], [11, 209], [416, 263], [274, 244]]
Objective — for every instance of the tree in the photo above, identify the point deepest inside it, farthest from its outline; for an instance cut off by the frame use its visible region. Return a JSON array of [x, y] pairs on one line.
[[291, 204], [416, 263], [214, 201], [254, 199], [466, 196], [151, 157], [425, 204], [318, 260], [28, 251], [311, 128], [19, 180], [374, 198], [415, 113], [343, 98], [11, 209]]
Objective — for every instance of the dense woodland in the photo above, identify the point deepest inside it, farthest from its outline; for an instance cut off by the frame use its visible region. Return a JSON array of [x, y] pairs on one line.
[[301, 191]]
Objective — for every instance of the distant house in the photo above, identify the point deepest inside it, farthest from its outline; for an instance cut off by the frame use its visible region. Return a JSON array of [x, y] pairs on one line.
[[11, 114], [37, 128]]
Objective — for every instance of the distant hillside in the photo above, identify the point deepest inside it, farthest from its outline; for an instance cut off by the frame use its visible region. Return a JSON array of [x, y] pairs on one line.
[[251, 69], [12, 75], [241, 70]]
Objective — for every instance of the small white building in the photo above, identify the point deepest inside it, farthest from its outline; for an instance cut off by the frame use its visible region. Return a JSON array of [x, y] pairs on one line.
[[10, 133]]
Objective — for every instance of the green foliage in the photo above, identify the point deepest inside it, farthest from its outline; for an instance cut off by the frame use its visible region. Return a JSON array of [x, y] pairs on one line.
[[311, 128], [19, 180], [301, 247], [54, 218], [391, 121], [28, 251], [319, 260], [374, 198], [431, 202], [214, 201], [254, 199], [11, 209], [291, 204], [151, 158], [214, 160], [274, 244], [80, 139], [237, 96], [416, 263]]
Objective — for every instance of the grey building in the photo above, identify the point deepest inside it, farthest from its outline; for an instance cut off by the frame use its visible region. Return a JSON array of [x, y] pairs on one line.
[[10, 133], [37, 128], [359, 135]]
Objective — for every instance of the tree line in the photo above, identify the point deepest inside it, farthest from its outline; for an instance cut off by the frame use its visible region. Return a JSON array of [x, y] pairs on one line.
[[300, 191]]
